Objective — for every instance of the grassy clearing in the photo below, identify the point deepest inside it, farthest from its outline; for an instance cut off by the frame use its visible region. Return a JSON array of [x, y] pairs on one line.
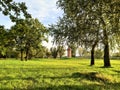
[[50, 74]]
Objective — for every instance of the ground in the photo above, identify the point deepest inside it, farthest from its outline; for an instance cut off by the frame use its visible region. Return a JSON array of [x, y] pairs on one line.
[[60, 74]]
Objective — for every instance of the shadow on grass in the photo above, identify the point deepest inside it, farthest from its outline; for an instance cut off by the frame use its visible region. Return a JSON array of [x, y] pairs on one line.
[[106, 67], [118, 71], [92, 76], [109, 86]]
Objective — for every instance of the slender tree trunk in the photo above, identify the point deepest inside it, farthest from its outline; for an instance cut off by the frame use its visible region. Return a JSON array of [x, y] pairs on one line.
[[27, 51], [92, 53], [106, 50], [21, 54], [92, 57], [27, 54]]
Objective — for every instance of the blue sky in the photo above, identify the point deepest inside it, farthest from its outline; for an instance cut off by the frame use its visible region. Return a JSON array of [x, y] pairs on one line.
[[45, 10]]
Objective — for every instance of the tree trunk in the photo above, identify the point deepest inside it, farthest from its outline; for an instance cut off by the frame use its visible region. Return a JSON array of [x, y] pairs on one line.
[[21, 54], [106, 45], [106, 56], [106, 51], [27, 52], [92, 57], [92, 53]]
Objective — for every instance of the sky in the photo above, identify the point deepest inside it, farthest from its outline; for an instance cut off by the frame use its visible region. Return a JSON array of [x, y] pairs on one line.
[[45, 10]]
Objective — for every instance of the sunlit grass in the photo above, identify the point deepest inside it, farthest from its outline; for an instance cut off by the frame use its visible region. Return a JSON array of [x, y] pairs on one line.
[[60, 74]]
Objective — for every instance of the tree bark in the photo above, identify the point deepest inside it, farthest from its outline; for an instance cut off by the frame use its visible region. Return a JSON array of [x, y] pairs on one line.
[[92, 53], [92, 57], [106, 45], [106, 50], [27, 51], [106, 56], [21, 54], [27, 54]]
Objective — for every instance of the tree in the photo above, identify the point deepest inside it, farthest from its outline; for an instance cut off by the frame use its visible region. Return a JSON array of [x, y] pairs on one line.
[[73, 49], [13, 9], [61, 51], [65, 31], [54, 52], [2, 41], [82, 51], [48, 53], [99, 11], [59, 39], [98, 53], [41, 52], [28, 33]]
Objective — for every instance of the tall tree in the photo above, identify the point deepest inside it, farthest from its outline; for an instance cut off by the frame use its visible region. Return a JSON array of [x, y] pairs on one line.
[[61, 51], [28, 33], [54, 52], [100, 11], [66, 30]]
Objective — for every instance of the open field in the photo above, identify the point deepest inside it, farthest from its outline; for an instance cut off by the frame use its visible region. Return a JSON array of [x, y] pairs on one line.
[[66, 74]]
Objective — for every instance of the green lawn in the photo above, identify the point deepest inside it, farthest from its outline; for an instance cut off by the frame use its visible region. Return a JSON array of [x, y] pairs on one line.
[[50, 74]]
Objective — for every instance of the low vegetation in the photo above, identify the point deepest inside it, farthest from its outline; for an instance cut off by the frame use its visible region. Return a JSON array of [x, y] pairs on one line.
[[59, 74]]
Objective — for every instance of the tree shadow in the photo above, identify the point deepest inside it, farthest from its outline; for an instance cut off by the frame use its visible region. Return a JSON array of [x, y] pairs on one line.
[[117, 71], [92, 76], [106, 67], [109, 86]]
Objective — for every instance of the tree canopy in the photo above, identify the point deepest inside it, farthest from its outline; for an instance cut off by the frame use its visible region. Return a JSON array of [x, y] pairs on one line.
[[93, 20], [14, 10], [28, 33]]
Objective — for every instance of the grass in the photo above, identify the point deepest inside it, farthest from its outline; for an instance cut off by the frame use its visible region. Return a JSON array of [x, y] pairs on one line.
[[64, 74]]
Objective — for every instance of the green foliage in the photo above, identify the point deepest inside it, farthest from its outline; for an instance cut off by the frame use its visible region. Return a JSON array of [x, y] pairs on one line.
[[83, 52], [27, 34], [98, 53], [40, 52], [92, 21], [70, 74], [61, 51], [13, 9], [57, 32], [48, 53], [4, 42], [73, 49], [57, 51], [116, 55], [54, 52]]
